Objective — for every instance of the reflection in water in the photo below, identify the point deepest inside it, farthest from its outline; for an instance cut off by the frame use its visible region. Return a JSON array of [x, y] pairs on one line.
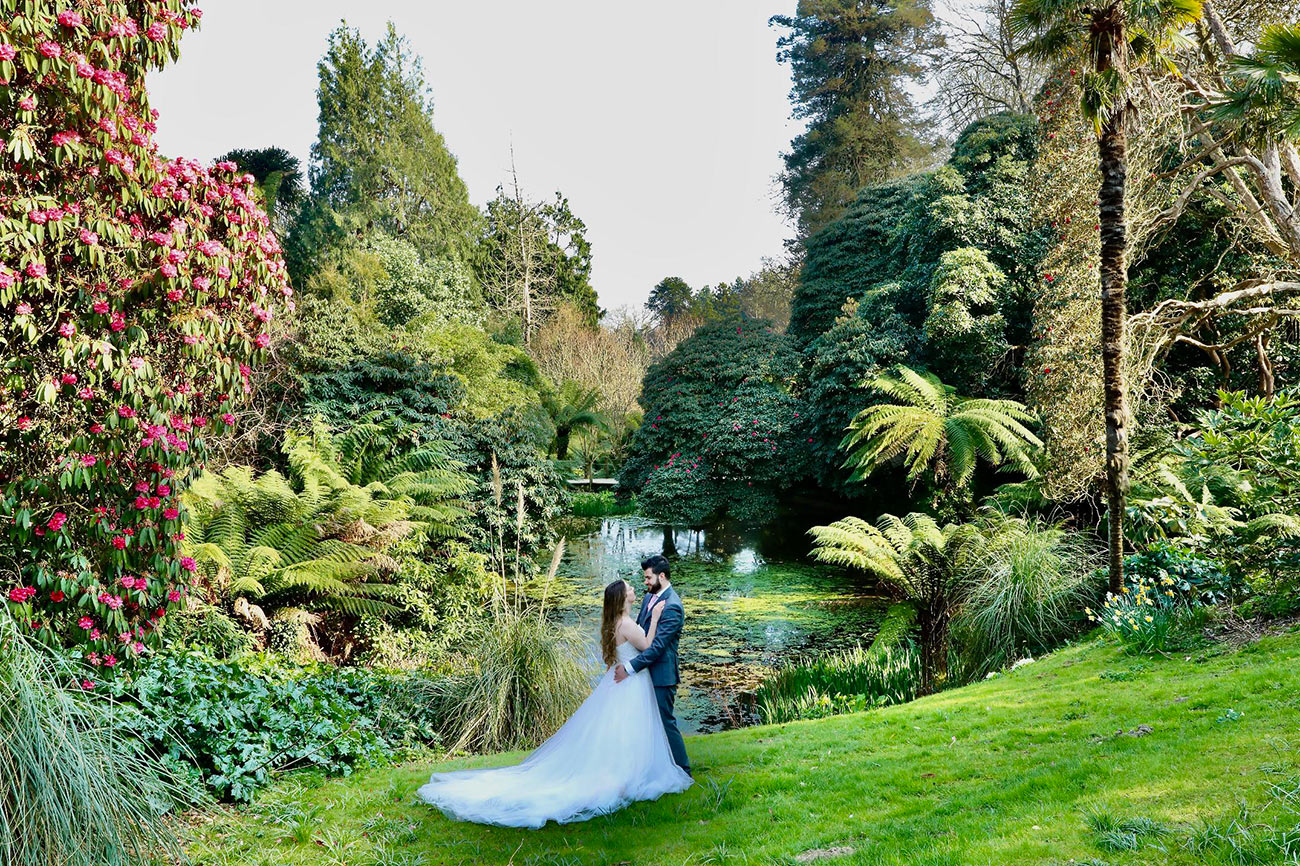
[[745, 611]]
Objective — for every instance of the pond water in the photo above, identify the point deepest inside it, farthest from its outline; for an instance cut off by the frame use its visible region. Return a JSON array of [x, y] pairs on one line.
[[751, 604]]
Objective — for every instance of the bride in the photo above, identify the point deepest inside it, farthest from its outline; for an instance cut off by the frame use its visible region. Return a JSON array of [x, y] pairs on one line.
[[611, 752]]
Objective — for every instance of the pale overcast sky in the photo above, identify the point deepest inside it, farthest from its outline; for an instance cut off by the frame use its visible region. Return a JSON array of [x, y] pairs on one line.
[[663, 123]]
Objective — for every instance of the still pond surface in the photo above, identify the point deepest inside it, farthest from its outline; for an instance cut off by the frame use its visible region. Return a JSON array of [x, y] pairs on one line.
[[752, 603]]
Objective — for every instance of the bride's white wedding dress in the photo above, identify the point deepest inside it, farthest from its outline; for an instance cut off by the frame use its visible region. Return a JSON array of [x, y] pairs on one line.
[[611, 752]]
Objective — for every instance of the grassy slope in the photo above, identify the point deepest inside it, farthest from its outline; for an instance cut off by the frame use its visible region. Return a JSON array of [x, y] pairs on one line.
[[1003, 771]]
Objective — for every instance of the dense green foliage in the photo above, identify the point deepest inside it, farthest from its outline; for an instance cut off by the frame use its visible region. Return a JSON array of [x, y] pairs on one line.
[[846, 682], [238, 721], [717, 410], [938, 436]]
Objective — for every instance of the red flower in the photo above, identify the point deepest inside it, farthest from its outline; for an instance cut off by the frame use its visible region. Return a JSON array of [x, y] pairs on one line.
[[57, 596]]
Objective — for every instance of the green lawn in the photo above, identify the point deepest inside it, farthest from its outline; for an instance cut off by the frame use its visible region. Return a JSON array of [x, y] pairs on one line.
[[1026, 768]]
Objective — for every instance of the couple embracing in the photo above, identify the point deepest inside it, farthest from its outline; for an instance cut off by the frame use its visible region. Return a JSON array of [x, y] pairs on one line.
[[622, 745]]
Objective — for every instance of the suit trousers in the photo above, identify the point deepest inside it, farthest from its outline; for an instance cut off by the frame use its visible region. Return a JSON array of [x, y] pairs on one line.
[[666, 697]]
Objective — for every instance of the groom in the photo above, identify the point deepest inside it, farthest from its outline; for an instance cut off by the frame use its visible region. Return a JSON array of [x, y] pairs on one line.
[[661, 656]]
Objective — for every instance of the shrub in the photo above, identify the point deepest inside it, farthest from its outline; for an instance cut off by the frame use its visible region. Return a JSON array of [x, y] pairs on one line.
[[1195, 576], [72, 791], [719, 420], [207, 628], [845, 682], [239, 721], [134, 298]]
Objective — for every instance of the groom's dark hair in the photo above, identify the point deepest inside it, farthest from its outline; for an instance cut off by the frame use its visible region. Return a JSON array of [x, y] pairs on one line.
[[658, 564]]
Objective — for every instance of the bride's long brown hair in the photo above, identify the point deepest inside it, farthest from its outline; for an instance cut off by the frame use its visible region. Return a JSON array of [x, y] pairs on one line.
[[615, 599]]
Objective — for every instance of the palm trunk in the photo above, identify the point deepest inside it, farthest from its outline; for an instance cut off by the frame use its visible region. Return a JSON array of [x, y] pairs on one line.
[[1112, 147], [562, 435]]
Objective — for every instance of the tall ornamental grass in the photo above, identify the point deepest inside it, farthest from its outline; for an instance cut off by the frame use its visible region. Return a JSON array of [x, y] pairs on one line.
[[72, 792], [1023, 594], [528, 678]]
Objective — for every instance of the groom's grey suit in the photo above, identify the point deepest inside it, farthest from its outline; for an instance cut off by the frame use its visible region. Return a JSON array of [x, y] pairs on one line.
[[660, 658]]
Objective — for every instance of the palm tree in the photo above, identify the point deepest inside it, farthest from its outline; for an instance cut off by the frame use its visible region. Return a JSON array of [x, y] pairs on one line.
[[1264, 90], [937, 433], [573, 407], [919, 560], [1110, 39]]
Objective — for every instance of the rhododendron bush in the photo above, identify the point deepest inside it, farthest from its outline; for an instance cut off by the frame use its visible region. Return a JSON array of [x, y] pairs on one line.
[[135, 294]]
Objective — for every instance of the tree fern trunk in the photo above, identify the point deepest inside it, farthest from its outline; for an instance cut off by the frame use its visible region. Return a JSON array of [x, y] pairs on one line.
[[1112, 147], [933, 622]]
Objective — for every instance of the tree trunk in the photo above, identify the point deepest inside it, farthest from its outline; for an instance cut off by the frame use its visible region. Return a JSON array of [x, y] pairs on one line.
[[562, 443], [1112, 152], [933, 621], [670, 543]]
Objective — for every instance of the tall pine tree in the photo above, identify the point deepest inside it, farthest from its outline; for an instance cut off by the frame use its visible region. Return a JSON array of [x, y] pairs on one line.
[[851, 61], [378, 162]]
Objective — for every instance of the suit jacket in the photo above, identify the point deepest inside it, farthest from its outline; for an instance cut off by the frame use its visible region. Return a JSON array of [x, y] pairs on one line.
[[661, 656]]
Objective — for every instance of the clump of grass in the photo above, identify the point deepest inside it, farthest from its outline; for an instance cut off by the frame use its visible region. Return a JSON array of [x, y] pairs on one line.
[[1025, 594], [852, 680], [528, 679], [1124, 834], [72, 790]]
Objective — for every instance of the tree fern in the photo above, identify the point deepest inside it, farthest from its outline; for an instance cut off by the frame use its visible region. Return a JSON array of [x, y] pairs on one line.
[[936, 433], [918, 559]]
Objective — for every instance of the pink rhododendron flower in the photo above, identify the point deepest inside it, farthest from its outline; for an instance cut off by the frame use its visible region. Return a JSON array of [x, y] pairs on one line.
[[20, 594], [86, 622], [187, 563], [119, 542], [67, 329], [88, 237], [56, 522], [157, 32], [69, 379], [70, 18], [35, 270], [171, 514], [50, 49], [263, 340], [100, 306], [7, 51]]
